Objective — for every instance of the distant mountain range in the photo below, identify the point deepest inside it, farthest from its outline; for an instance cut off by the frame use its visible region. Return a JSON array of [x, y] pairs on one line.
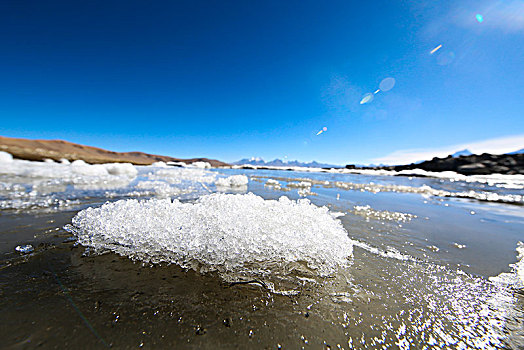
[[464, 152], [518, 152], [467, 152], [284, 163]]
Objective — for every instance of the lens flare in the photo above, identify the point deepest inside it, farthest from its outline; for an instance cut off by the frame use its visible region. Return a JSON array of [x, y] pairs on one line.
[[387, 84], [435, 49], [445, 58], [376, 91], [367, 98], [322, 130], [479, 18]]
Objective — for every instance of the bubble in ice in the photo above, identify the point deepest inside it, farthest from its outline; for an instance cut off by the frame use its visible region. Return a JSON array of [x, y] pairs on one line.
[[387, 84], [367, 98], [223, 232]]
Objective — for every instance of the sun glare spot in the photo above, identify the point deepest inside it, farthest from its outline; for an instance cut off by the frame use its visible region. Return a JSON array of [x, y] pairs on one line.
[[479, 18]]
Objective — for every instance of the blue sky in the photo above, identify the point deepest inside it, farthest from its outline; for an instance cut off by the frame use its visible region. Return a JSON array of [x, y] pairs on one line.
[[236, 79]]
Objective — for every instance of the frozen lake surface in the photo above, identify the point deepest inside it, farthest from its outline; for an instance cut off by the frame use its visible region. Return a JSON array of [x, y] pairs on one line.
[[158, 256]]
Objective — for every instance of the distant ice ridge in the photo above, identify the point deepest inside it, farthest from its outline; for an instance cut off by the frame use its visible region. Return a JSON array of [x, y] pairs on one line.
[[515, 278], [223, 232], [32, 185], [425, 190], [501, 180]]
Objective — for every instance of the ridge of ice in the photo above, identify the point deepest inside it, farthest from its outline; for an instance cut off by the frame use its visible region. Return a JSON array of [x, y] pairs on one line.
[[32, 185], [223, 232]]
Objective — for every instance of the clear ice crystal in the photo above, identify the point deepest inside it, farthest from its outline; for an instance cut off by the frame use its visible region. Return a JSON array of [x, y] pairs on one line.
[[223, 232]]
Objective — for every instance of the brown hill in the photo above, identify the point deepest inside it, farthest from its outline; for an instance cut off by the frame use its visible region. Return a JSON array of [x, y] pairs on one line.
[[57, 149]]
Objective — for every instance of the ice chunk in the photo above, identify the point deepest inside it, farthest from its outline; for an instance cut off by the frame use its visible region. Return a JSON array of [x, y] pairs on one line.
[[24, 249], [201, 165], [159, 188], [515, 278], [232, 181], [301, 184], [5, 157], [121, 169], [273, 184], [82, 168], [224, 232], [64, 161], [159, 164]]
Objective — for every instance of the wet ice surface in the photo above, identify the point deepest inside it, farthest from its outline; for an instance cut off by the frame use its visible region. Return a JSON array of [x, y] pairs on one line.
[[367, 261]]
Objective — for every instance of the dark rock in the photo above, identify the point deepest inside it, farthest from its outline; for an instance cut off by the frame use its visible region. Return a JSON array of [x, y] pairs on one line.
[[499, 169], [468, 165], [509, 162], [473, 169]]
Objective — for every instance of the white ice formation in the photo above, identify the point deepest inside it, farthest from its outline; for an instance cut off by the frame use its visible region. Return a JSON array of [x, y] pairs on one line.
[[5, 157], [515, 278], [223, 232], [201, 165], [232, 181], [32, 185]]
